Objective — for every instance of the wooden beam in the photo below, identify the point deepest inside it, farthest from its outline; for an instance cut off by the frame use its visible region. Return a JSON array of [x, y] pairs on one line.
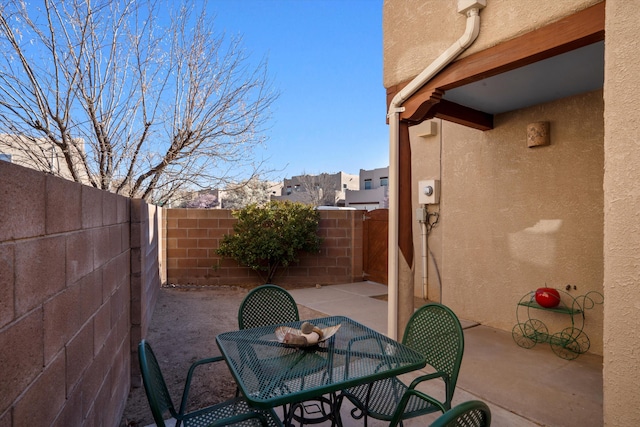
[[456, 113]]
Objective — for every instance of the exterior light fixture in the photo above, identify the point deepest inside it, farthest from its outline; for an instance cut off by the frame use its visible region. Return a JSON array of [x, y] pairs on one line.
[[538, 134]]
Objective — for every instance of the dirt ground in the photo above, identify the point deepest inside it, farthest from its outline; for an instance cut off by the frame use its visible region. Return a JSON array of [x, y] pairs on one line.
[[185, 323]]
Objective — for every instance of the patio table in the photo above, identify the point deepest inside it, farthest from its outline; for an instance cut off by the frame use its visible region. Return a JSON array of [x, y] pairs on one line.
[[270, 373]]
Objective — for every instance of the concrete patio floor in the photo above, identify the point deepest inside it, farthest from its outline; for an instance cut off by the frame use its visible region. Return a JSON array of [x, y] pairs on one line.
[[522, 387]]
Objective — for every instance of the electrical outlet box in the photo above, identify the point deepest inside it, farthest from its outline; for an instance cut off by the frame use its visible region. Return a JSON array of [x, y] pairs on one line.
[[428, 192]]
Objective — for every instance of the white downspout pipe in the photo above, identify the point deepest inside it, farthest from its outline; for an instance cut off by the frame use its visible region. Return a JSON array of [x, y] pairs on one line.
[[423, 240], [472, 10]]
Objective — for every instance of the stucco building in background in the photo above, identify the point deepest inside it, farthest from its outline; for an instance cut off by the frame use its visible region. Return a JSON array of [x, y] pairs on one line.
[[41, 155], [529, 126], [373, 192], [324, 189]]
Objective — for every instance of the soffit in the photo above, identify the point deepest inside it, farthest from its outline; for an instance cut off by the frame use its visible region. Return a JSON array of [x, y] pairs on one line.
[[561, 59], [572, 73]]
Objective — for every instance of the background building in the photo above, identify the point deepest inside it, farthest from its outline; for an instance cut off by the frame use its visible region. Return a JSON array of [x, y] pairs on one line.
[[373, 192], [318, 190], [39, 154]]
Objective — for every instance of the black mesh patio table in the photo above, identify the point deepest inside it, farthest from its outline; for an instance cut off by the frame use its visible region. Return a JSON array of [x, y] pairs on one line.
[[270, 373]]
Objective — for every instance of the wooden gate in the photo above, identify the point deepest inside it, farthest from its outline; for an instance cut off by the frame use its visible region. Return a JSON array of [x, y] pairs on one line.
[[375, 245]]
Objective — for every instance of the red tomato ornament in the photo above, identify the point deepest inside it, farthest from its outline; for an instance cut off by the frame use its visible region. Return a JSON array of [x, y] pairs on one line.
[[547, 297]]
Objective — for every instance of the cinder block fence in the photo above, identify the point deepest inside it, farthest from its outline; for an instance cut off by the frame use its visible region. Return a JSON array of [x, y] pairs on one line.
[[78, 281], [80, 273], [193, 235]]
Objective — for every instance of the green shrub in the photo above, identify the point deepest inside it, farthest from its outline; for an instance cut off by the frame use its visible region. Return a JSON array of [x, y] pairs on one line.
[[269, 237]]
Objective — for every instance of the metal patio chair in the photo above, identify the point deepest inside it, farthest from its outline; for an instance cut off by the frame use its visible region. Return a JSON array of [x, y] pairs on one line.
[[435, 332], [231, 412], [267, 305], [273, 305], [473, 413]]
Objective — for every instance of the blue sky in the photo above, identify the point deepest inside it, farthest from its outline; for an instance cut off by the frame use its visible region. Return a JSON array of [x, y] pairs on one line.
[[325, 58]]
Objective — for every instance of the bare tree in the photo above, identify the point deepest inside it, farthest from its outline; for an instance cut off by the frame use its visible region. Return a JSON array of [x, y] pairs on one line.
[[203, 200], [253, 192], [130, 96], [319, 190]]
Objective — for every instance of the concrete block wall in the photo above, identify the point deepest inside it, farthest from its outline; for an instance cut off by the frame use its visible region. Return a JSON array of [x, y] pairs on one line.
[[146, 246], [193, 235], [65, 347]]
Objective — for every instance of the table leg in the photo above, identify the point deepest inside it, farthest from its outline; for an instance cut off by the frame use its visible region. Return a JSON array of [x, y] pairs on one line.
[[315, 411]]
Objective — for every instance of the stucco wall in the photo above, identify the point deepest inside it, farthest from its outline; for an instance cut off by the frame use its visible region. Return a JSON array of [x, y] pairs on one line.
[[409, 48], [416, 31], [622, 224], [513, 218]]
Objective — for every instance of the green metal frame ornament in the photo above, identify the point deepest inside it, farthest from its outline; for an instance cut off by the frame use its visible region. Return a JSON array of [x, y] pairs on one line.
[[568, 343]]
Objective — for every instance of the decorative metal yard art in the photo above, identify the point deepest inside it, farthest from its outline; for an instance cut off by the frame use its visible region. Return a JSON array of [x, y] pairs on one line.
[[568, 343]]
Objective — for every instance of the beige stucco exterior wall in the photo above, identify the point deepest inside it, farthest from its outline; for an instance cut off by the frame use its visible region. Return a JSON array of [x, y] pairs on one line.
[[417, 31], [607, 170], [621, 208], [514, 218]]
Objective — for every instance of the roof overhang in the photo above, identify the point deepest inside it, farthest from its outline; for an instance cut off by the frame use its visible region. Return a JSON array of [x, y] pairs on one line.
[[561, 59]]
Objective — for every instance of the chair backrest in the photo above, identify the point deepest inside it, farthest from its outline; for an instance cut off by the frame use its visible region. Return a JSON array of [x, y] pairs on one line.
[[473, 413], [435, 331], [154, 385], [267, 305]]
